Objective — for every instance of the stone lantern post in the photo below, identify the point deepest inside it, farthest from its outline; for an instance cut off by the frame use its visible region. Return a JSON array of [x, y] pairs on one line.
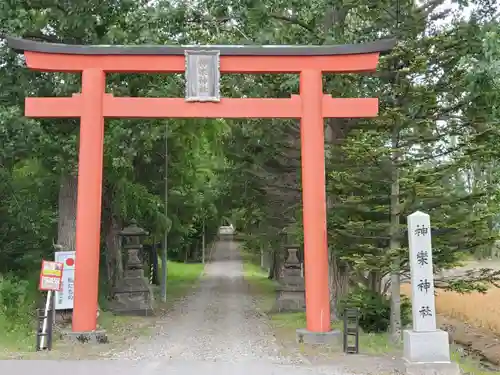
[[291, 290], [133, 295]]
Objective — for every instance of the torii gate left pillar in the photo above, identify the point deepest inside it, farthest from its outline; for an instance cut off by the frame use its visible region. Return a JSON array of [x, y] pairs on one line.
[[93, 105]]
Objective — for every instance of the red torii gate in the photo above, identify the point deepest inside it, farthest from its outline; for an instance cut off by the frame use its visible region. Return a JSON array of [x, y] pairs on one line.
[[93, 105]]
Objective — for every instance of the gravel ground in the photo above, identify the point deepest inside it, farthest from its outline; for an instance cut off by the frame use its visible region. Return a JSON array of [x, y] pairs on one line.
[[214, 331]]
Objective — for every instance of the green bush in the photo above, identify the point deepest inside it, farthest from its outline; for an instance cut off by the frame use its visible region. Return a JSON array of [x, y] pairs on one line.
[[17, 303], [375, 309]]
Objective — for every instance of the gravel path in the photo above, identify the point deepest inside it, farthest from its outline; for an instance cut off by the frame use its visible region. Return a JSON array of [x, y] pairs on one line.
[[217, 323]]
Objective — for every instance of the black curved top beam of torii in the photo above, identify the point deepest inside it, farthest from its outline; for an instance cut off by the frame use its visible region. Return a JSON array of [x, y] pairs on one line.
[[26, 45]]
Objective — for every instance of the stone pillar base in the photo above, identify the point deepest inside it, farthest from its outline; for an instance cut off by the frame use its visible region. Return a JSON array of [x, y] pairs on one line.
[[428, 353], [437, 368], [319, 338], [290, 299], [137, 311], [426, 346], [91, 337]]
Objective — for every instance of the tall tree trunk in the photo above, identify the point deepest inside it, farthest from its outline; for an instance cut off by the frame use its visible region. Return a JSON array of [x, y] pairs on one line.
[[339, 272], [395, 244], [272, 273], [66, 226], [276, 262], [114, 257], [112, 225], [66, 223], [186, 252], [339, 283], [374, 281], [489, 170]]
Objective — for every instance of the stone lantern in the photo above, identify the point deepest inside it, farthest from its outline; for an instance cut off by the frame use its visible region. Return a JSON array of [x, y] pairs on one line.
[[132, 236], [291, 290], [133, 295]]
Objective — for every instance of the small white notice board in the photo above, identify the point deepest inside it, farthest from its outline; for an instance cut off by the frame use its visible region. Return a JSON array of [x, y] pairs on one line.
[[64, 298]]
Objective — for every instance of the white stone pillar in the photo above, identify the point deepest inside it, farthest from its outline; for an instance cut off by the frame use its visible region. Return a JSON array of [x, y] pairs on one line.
[[426, 349]]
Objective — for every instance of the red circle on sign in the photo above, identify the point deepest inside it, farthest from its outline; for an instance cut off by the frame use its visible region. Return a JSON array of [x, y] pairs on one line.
[[70, 262]]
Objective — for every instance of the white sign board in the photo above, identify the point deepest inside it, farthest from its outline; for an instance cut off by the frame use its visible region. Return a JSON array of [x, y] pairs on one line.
[[422, 275], [64, 298]]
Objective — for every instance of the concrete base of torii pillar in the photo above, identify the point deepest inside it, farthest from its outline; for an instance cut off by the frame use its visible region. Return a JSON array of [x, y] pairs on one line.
[[428, 353]]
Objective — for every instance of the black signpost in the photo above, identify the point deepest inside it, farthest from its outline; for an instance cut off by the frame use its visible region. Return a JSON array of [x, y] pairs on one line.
[[42, 315], [351, 329]]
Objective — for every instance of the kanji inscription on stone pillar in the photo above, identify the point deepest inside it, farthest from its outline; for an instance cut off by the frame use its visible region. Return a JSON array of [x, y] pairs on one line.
[[422, 275]]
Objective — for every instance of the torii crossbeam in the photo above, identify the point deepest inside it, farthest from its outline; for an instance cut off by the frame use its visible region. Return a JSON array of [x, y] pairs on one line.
[[93, 105]]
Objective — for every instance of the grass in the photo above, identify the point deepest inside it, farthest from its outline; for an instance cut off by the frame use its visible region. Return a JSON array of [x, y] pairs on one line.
[[285, 324], [17, 309], [468, 365], [261, 287], [17, 331], [368, 343], [480, 310], [181, 277], [18, 339]]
